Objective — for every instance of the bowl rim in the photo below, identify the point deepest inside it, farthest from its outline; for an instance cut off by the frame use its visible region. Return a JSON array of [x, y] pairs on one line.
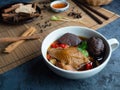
[[77, 72]]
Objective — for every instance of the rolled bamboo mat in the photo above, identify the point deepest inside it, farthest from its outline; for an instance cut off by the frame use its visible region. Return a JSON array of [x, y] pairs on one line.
[[31, 49]]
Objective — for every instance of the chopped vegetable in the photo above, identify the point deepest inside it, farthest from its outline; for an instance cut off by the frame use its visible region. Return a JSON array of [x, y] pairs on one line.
[[82, 47], [85, 52], [55, 18], [89, 66], [63, 45], [54, 45], [53, 61], [48, 56]]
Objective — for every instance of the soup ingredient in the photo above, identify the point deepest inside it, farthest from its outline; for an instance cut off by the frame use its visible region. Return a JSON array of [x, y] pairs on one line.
[[63, 45], [82, 47], [85, 53], [88, 66], [69, 39], [95, 46], [54, 45], [59, 5], [69, 56], [68, 67], [48, 57], [53, 61]]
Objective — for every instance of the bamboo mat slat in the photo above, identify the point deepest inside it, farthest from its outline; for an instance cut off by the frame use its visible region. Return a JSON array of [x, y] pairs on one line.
[[31, 49]]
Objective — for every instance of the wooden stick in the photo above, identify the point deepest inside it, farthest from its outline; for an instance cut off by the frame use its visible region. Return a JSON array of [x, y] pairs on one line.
[[14, 45], [88, 12], [95, 11], [14, 39], [7, 16], [11, 8], [26, 26], [27, 17], [17, 4]]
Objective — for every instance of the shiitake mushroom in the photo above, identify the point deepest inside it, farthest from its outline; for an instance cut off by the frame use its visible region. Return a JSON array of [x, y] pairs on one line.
[[95, 46], [96, 49]]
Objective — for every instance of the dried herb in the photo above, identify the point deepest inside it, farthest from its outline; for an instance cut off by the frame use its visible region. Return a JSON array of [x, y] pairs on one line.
[[74, 14], [44, 25], [59, 18]]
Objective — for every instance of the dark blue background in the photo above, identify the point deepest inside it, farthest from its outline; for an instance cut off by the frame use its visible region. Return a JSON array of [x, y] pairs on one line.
[[34, 75]]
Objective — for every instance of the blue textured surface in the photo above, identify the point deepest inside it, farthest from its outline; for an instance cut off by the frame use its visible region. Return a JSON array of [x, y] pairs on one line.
[[5, 2], [34, 75]]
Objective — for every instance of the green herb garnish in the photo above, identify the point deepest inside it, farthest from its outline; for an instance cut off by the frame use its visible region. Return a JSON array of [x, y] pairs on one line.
[[82, 47]]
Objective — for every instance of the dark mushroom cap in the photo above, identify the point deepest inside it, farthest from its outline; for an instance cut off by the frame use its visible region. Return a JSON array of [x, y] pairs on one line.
[[95, 46], [70, 39]]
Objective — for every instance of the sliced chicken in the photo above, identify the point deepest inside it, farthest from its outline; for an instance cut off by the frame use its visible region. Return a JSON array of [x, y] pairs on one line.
[[69, 56]]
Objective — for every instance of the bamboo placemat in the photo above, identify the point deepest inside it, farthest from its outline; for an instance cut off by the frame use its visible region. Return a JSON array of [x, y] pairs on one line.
[[31, 49]]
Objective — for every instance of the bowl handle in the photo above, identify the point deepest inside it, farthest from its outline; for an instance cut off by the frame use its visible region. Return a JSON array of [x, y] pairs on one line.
[[114, 43]]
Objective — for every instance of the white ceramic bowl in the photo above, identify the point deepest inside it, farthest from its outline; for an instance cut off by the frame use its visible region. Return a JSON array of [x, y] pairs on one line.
[[111, 45], [59, 9]]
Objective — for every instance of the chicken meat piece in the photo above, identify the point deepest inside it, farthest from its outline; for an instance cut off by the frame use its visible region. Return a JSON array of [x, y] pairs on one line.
[[69, 56]]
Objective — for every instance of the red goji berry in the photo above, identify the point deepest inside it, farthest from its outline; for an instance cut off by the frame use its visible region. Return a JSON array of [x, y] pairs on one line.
[[89, 66]]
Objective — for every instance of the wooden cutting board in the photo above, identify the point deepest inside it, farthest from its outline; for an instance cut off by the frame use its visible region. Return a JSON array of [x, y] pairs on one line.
[[31, 49]]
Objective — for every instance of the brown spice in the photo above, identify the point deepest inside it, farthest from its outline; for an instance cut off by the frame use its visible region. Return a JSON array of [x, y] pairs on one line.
[[46, 24], [41, 31], [74, 14]]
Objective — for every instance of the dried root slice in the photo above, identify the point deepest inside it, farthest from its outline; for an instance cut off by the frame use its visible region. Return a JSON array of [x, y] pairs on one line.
[[26, 9], [14, 45]]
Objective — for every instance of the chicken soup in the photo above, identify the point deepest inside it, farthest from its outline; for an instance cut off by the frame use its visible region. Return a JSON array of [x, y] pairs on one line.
[[76, 53]]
